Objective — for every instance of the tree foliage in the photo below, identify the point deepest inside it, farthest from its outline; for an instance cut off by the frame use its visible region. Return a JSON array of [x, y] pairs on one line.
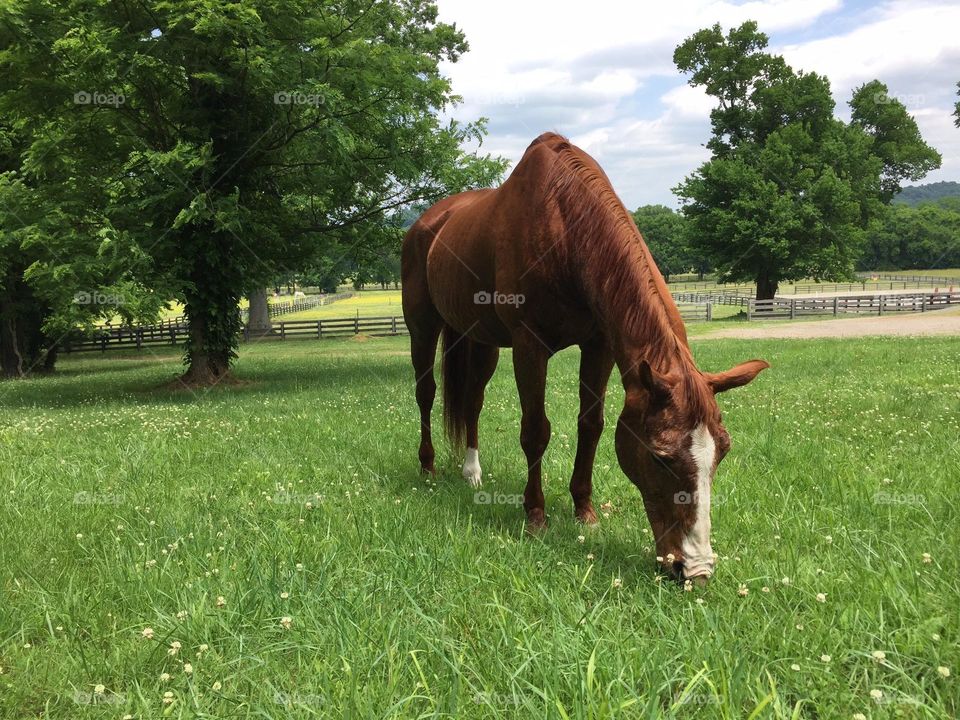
[[896, 137], [789, 189], [233, 142], [906, 237], [665, 234]]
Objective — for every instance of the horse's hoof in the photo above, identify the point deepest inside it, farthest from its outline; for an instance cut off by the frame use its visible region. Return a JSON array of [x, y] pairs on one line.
[[474, 479], [587, 516], [428, 470], [536, 522]]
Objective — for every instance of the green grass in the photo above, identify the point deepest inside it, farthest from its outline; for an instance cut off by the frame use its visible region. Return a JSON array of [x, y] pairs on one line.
[[128, 506], [368, 303]]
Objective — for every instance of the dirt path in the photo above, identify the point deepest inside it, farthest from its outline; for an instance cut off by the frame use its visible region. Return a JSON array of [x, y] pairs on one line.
[[940, 322]]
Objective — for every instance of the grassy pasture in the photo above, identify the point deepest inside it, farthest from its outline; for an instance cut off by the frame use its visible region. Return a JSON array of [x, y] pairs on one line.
[[213, 518]]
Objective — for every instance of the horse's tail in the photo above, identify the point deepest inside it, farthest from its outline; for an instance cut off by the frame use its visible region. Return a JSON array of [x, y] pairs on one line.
[[455, 372]]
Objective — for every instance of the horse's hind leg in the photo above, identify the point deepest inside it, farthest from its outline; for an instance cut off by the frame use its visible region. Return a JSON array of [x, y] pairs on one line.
[[483, 361], [423, 351], [530, 368], [596, 363]]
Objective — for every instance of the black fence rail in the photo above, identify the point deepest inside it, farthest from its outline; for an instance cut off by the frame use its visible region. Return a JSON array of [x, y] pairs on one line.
[[791, 308], [947, 283]]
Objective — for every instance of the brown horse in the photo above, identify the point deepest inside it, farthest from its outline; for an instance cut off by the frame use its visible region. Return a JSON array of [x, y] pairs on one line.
[[550, 259]]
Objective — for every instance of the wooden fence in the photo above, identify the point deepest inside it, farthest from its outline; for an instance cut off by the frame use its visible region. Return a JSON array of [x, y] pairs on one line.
[[938, 282], [790, 308], [174, 333], [694, 307], [718, 297]]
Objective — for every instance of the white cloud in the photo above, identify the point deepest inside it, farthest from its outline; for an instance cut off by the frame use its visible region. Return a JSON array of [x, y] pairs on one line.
[[603, 73]]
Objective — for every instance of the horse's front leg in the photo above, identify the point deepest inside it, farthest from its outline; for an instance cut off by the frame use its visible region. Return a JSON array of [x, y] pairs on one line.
[[596, 363], [530, 369]]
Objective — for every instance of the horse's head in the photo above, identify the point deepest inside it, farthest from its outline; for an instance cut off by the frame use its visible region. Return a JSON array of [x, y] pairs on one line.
[[669, 442]]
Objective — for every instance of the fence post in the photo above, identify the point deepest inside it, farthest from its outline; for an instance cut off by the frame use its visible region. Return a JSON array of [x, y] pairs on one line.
[[319, 331], [836, 305], [793, 309], [880, 304], [750, 310], [356, 324], [393, 324], [709, 312]]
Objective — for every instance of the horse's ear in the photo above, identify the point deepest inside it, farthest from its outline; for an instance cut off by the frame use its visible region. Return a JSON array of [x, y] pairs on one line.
[[654, 383], [736, 376]]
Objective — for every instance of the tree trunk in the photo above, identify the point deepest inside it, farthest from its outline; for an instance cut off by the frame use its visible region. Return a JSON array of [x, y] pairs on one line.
[[23, 346], [211, 306], [207, 366], [258, 319], [766, 286]]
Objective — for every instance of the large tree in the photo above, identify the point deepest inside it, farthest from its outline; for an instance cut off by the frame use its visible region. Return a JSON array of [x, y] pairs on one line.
[[790, 189], [240, 140]]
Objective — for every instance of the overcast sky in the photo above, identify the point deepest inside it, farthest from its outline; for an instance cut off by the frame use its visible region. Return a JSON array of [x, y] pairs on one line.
[[601, 72]]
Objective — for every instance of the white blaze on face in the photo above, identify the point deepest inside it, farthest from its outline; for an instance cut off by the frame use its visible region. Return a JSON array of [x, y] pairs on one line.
[[471, 468], [697, 553]]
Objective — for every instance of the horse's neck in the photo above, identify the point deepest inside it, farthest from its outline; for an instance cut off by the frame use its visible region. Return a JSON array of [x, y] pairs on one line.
[[632, 303]]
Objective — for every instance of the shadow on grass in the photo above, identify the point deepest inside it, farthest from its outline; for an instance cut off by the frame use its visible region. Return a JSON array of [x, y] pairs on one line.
[[148, 380]]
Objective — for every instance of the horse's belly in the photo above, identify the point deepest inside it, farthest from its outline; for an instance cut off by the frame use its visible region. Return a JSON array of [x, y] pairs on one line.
[[460, 276]]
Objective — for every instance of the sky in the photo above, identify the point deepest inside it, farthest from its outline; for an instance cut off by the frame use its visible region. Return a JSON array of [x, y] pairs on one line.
[[601, 72]]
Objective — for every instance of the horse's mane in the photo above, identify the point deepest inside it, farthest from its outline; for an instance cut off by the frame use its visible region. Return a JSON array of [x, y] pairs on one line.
[[615, 263]]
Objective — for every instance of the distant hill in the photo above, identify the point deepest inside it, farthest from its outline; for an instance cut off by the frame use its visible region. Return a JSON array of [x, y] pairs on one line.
[[929, 192]]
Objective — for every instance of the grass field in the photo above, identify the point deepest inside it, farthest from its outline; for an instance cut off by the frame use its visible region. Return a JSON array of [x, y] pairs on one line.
[[369, 303], [268, 549]]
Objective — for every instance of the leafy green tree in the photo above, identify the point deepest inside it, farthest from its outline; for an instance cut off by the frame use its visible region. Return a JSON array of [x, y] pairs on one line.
[[896, 137], [59, 269], [241, 140], [790, 189], [664, 231]]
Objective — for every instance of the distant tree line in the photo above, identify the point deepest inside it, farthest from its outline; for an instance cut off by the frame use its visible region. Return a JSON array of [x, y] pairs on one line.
[[903, 237]]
